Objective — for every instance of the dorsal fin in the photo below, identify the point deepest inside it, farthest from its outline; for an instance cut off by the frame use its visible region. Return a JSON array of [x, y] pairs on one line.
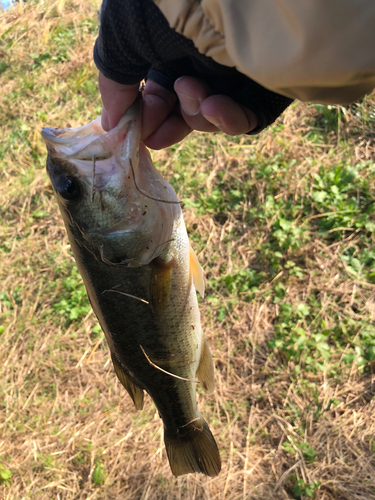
[[196, 272]]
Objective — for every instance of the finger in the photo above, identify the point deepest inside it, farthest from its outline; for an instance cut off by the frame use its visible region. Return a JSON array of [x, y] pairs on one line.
[[220, 112], [227, 115], [158, 103], [116, 100], [171, 131], [208, 113], [191, 93], [105, 121]]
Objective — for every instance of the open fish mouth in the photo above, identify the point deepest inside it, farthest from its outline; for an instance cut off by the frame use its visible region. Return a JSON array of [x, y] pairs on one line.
[[74, 143], [92, 143]]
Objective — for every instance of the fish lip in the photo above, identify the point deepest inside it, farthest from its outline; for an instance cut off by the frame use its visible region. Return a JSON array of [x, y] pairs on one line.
[[74, 133], [69, 143], [50, 135], [79, 142]]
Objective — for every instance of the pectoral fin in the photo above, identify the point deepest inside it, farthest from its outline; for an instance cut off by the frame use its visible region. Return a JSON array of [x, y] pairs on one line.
[[196, 272], [160, 284], [135, 392], [205, 373]]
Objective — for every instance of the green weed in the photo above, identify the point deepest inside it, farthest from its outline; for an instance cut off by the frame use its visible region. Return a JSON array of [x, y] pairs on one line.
[[5, 475], [99, 475], [74, 303], [311, 350], [44, 463], [241, 283], [302, 489], [308, 452]]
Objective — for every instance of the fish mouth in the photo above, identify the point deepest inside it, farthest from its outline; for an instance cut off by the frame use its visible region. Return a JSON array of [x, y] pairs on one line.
[[91, 143], [92, 155], [70, 142]]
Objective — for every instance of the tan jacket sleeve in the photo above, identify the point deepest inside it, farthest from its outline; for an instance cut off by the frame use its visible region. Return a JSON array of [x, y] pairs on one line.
[[312, 50]]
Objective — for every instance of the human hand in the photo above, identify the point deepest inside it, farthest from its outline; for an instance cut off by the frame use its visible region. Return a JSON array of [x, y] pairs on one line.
[[167, 118]]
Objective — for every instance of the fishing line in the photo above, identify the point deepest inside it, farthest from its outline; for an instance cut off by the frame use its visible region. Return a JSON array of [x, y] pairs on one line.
[[93, 178], [127, 295], [165, 371], [191, 421], [161, 244], [144, 192]]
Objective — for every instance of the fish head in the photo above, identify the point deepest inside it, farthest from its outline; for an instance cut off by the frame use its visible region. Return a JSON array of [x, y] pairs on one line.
[[112, 199]]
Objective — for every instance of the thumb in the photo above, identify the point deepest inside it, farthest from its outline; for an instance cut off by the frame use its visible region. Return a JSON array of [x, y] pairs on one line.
[[116, 100]]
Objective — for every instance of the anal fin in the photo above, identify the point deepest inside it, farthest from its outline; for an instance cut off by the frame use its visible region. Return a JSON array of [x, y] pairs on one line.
[[135, 392], [205, 372]]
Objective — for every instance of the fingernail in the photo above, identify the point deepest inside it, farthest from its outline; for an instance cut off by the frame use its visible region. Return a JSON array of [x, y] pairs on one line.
[[104, 121], [190, 105], [214, 120]]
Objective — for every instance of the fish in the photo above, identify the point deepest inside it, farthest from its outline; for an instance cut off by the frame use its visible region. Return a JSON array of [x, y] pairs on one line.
[[126, 230]]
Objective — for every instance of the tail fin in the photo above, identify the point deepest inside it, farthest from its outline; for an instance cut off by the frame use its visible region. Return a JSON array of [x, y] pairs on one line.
[[193, 450]]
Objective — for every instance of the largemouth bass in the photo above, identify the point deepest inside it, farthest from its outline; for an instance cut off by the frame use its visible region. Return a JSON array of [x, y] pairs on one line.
[[127, 233]]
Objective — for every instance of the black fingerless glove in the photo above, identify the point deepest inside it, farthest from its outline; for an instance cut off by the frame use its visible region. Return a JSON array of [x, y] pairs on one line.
[[136, 42]]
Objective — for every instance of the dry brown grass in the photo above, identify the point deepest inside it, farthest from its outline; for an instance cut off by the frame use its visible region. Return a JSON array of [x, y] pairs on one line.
[[63, 415]]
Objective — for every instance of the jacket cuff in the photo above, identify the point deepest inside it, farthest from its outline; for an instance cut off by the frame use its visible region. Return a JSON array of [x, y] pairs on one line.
[[113, 75]]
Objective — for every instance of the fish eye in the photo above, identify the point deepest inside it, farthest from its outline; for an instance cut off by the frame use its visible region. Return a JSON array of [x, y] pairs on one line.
[[68, 187]]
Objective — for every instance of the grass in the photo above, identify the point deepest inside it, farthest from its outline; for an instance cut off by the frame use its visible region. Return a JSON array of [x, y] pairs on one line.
[[284, 227]]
